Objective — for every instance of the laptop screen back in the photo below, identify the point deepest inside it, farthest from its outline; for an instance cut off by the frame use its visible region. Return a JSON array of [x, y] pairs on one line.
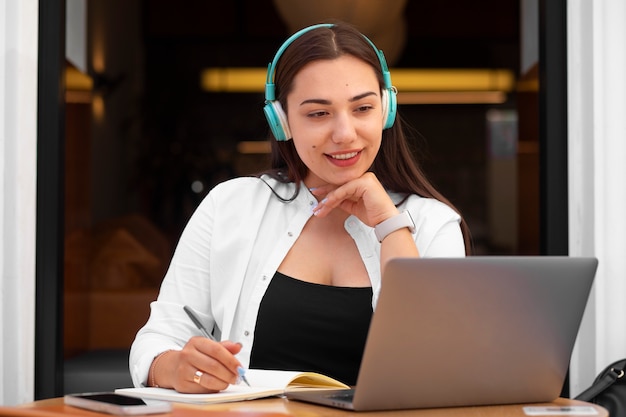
[[473, 331]]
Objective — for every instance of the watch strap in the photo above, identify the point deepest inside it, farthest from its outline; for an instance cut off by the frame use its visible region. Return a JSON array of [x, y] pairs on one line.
[[394, 223]]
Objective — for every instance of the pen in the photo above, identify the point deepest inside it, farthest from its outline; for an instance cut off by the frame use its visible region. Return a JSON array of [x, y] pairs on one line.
[[205, 333]]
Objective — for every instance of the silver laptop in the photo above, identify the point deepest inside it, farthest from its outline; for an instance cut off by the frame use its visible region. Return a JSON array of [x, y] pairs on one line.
[[468, 331]]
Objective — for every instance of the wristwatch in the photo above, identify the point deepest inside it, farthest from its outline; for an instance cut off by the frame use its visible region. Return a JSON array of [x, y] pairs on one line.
[[394, 223]]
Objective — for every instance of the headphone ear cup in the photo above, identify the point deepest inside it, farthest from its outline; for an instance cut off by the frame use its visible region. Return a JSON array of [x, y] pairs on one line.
[[390, 105], [277, 119]]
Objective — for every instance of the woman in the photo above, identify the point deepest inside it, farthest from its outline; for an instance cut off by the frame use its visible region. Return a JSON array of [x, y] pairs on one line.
[[285, 268]]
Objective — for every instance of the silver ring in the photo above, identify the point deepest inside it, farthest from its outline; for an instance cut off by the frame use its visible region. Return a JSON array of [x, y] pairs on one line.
[[197, 376]]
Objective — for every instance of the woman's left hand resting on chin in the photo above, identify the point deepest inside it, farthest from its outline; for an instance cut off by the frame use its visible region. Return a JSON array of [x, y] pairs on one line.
[[366, 198], [215, 362]]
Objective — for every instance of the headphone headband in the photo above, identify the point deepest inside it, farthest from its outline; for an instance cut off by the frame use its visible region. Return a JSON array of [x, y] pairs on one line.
[[271, 68]]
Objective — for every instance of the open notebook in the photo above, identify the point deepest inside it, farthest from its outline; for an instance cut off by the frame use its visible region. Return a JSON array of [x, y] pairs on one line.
[[469, 331], [264, 383]]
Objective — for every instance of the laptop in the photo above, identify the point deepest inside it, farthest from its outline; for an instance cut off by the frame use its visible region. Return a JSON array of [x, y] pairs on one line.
[[468, 331]]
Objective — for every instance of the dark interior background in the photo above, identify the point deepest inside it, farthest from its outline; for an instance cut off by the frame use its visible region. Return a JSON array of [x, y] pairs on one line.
[[149, 143], [161, 132]]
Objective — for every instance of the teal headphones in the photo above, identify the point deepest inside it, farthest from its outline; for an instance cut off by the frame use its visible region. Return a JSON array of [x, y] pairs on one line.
[[274, 112]]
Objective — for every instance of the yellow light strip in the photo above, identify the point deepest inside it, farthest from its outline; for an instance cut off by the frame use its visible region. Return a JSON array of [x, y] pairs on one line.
[[252, 80], [78, 86], [76, 80], [233, 80], [452, 97], [452, 79]]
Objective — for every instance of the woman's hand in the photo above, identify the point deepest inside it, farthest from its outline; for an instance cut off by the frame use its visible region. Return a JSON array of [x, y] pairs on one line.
[[364, 197], [203, 365]]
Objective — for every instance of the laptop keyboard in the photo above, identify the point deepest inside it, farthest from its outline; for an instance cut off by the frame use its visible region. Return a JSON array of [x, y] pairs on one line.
[[347, 396]]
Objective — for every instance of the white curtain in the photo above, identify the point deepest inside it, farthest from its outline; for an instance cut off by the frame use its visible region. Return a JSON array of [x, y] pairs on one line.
[[18, 145], [597, 176]]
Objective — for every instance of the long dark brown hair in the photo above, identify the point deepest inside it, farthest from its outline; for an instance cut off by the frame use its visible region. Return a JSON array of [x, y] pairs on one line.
[[395, 165]]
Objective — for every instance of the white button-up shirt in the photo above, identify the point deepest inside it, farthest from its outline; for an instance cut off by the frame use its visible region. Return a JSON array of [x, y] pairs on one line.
[[233, 245]]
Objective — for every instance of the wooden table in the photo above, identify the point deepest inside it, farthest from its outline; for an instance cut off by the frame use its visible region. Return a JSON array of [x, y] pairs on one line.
[[279, 407]]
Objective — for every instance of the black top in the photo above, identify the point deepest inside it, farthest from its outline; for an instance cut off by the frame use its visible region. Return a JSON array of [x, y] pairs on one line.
[[303, 326]]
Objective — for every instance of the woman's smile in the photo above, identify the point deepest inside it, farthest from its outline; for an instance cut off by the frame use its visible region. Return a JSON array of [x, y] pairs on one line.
[[344, 159]]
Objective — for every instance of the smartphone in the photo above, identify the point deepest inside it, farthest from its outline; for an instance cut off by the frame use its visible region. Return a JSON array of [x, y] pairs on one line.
[[112, 403]]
